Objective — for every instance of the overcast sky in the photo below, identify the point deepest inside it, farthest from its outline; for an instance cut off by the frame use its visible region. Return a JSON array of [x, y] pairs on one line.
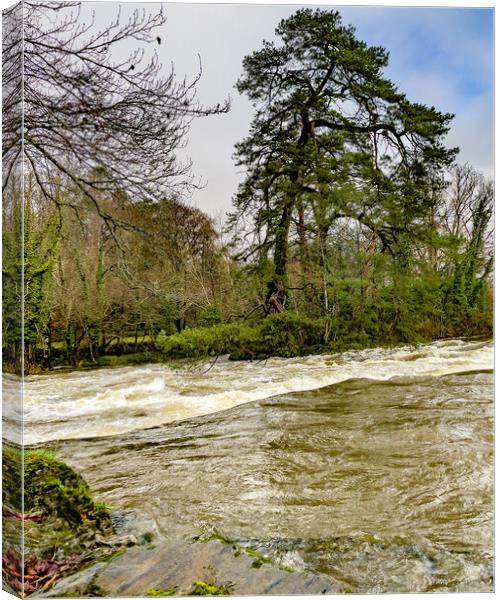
[[439, 56]]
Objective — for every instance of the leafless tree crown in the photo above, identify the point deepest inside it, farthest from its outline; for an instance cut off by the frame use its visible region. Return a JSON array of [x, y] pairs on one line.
[[93, 122]]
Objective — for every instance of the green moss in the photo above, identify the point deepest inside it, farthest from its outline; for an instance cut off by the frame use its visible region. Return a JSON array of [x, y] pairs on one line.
[[155, 591], [286, 568], [53, 489], [259, 559], [201, 588], [11, 476]]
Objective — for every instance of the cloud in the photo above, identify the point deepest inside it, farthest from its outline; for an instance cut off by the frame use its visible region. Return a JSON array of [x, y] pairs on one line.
[[472, 132]]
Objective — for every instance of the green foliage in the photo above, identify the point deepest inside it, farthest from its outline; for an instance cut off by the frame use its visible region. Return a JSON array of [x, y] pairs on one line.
[[288, 334], [41, 247], [210, 315], [283, 334], [405, 310], [332, 138], [380, 321], [207, 341], [11, 283], [466, 292], [35, 261]]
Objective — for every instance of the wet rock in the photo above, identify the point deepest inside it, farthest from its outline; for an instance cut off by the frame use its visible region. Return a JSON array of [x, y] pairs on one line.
[[179, 563], [135, 525], [77, 585]]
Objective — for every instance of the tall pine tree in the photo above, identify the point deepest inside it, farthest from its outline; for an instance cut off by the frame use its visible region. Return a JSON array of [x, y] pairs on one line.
[[331, 137]]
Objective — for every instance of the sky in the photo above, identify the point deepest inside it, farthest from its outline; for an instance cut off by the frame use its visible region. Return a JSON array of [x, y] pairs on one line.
[[438, 56]]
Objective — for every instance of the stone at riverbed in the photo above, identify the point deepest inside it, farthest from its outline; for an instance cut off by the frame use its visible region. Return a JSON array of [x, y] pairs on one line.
[[136, 524], [179, 563]]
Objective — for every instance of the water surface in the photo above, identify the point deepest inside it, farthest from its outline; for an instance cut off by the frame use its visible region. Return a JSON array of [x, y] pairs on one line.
[[101, 402], [374, 467]]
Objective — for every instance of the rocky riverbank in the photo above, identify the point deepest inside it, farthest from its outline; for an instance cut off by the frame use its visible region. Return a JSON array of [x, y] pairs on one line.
[[182, 567], [75, 547]]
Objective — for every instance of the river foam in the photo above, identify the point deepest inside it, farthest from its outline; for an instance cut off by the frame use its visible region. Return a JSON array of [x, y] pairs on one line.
[[111, 401]]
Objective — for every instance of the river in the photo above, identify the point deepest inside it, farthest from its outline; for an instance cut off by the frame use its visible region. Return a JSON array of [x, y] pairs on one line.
[[374, 467]]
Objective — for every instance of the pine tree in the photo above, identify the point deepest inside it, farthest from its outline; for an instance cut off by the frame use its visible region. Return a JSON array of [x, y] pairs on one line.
[[331, 136]]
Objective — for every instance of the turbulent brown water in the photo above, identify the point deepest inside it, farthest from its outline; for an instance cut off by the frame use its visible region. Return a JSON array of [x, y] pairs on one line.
[[374, 467]]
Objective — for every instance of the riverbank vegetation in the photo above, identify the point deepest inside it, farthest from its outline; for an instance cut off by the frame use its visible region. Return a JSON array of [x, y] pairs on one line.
[[353, 225]]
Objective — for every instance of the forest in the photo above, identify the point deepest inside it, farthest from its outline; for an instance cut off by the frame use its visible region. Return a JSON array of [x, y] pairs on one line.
[[354, 224]]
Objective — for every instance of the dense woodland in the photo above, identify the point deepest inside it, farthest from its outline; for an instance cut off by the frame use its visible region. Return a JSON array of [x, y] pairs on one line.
[[353, 226]]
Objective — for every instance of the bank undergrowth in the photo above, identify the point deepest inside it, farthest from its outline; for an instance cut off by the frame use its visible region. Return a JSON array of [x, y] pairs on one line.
[[289, 334]]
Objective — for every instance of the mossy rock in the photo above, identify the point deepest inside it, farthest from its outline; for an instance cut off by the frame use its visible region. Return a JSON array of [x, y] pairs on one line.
[[11, 476], [64, 528], [53, 489]]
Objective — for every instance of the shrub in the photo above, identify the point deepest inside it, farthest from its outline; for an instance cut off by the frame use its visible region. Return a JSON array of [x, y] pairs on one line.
[[210, 315], [285, 334], [198, 342], [288, 334]]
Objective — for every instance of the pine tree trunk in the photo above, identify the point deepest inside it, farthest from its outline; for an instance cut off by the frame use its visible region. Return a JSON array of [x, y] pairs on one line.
[[277, 286]]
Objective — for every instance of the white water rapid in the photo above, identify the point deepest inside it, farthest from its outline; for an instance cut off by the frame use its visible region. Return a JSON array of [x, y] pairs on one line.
[[107, 401]]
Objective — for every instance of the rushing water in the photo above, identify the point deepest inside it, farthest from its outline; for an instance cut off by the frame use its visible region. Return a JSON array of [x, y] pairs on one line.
[[374, 467]]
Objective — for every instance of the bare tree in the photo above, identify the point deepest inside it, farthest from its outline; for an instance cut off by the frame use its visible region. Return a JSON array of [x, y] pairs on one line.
[[459, 202], [95, 122]]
